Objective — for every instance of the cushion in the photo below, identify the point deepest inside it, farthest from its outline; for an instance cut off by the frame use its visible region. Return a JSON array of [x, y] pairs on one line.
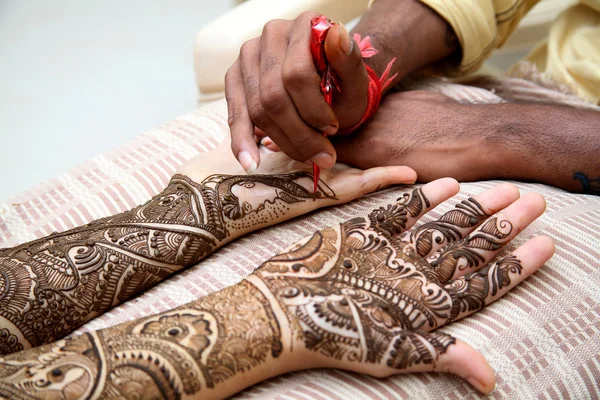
[[543, 338]]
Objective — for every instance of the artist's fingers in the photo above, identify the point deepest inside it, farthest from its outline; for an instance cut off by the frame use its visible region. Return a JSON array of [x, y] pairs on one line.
[[476, 250], [478, 289], [249, 59], [427, 238], [345, 59], [270, 144], [302, 81], [243, 146], [293, 136]]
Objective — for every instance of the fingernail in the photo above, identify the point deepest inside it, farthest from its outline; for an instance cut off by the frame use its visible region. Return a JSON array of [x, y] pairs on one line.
[[247, 161], [329, 129], [345, 42], [323, 160]]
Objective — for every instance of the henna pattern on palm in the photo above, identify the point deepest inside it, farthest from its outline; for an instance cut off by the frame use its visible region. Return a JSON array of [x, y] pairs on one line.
[[358, 292], [51, 286]]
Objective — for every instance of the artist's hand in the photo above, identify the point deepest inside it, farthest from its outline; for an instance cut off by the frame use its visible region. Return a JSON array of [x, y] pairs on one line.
[[274, 86], [212, 201], [428, 131], [438, 137], [369, 295]]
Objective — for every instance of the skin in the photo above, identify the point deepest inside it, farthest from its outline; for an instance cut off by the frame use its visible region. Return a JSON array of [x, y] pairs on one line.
[[296, 311], [555, 145], [273, 97], [51, 286], [273, 87]]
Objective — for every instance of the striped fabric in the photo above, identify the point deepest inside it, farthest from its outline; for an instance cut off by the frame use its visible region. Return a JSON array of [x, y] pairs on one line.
[[543, 338]]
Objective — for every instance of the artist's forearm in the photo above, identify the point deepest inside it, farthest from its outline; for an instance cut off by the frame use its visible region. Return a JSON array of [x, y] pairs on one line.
[[51, 286], [556, 145], [408, 30], [210, 348]]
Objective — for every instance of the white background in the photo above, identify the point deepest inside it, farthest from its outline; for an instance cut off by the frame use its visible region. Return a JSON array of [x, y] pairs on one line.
[[79, 77]]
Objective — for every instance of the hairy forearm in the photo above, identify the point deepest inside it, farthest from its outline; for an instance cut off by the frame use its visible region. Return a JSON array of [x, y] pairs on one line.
[[556, 145], [408, 30], [51, 286]]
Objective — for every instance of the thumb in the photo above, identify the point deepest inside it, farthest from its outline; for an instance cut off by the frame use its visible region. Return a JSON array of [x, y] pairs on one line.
[[343, 55], [463, 360]]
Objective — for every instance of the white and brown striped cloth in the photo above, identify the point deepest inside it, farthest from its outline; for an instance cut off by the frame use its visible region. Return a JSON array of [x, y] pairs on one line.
[[543, 338]]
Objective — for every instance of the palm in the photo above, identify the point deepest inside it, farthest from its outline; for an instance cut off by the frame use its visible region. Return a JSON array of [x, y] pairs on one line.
[[370, 291], [341, 183]]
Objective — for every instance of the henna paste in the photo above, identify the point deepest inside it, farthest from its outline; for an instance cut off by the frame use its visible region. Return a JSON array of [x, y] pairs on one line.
[[51, 286], [166, 356], [354, 293]]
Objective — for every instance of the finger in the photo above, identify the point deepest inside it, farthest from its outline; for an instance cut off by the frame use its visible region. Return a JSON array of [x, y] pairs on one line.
[[268, 143], [477, 249], [294, 137], [250, 67], [463, 360], [352, 183], [345, 59], [243, 145], [411, 352], [477, 289], [394, 219], [302, 81], [427, 238]]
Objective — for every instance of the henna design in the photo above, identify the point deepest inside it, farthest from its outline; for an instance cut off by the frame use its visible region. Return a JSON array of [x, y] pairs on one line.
[[166, 356], [468, 253], [391, 220], [51, 286], [470, 292], [466, 214], [352, 293], [355, 293]]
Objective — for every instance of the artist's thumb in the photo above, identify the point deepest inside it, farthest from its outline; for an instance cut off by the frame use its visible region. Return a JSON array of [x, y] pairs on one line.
[[343, 55]]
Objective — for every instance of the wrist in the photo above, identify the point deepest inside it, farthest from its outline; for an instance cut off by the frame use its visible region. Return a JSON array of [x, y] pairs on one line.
[[508, 151], [412, 32]]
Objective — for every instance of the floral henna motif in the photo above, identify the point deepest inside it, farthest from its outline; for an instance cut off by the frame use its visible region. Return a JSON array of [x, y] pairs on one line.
[[165, 356], [352, 293], [391, 220], [355, 293], [51, 286], [448, 228]]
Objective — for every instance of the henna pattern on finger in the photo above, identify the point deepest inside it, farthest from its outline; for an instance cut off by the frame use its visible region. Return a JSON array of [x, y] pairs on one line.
[[51, 286], [468, 253], [391, 220], [473, 291], [449, 228]]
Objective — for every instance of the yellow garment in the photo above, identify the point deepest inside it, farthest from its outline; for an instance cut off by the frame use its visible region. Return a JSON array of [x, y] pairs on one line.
[[570, 55]]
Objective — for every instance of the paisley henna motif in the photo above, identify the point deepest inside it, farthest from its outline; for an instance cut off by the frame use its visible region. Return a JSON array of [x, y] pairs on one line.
[[51, 286], [354, 294], [165, 356]]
